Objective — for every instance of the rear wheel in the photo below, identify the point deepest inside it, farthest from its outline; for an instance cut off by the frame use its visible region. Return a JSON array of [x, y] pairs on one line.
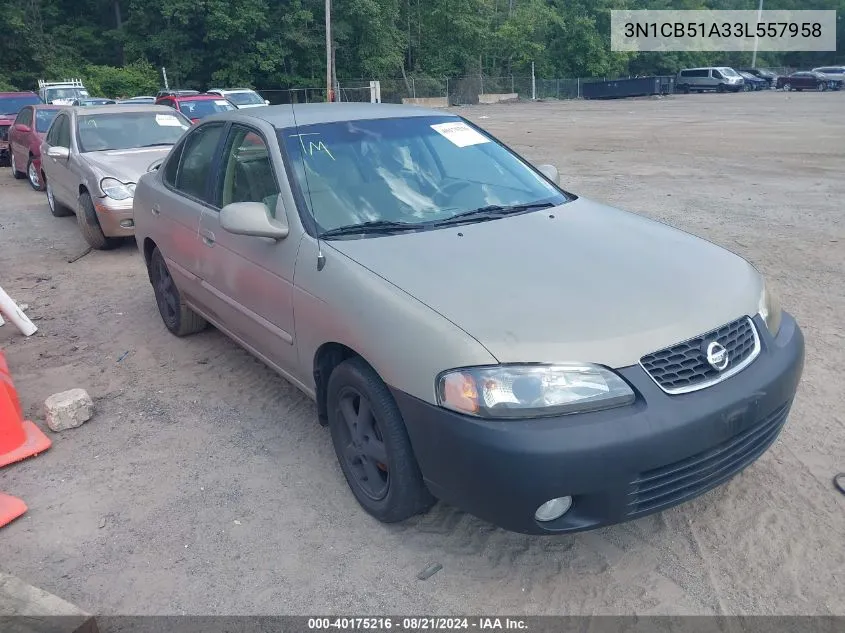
[[56, 208], [15, 172], [372, 444], [177, 316], [821, 87], [787, 86], [33, 176], [720, 88], [89, 225]]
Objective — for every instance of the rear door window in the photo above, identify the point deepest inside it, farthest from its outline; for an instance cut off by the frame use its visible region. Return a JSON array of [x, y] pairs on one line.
[[197, 160]]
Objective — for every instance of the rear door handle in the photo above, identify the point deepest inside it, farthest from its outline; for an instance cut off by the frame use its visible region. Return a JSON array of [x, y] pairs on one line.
[[207, 237], [156, 210]]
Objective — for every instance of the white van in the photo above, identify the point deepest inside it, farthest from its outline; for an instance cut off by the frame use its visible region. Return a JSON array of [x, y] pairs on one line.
[[718, 78]]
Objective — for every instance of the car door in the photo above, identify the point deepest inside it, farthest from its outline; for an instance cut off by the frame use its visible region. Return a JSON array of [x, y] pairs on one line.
[[251, 278], [18, 137], [58, 169], [181, 194]]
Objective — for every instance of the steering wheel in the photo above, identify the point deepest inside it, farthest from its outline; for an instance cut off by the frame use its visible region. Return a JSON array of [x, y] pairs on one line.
[[452, 188]]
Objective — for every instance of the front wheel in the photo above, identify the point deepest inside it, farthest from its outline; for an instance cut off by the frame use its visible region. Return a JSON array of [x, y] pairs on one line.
[[89, 225], [787, 87], [821, 87], [177, 316], [33, 176], [372, 444]]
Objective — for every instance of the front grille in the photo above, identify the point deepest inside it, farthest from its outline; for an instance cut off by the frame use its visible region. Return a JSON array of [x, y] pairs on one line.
[[669, 485], [4, 132], [684, 367]]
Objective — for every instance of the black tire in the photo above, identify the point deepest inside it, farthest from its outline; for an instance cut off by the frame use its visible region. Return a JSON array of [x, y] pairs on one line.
[[720, 88], [19, 175], [32, 173], [177, 317], [375, 456], [56, 208], [787, 87], [821, 87], [89, 225], [685, 89]]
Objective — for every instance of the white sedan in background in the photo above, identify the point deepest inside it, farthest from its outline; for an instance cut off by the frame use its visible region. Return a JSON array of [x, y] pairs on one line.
[[241, 97]]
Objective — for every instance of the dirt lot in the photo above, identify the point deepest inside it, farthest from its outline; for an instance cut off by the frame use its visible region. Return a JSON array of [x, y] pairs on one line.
[[204, 485]]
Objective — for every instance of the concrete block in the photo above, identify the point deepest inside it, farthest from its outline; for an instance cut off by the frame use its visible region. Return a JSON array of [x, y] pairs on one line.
[[68, 409]]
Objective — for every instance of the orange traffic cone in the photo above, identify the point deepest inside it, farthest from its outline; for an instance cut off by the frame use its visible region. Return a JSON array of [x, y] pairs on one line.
[[10, 509], [19, 438]]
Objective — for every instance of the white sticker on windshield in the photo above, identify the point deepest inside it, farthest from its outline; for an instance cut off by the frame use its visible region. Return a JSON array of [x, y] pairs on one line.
[[167, 120], [222, 102], [460, 133]]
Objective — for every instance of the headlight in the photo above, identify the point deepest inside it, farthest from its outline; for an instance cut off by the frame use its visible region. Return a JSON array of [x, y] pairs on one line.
[[770, 310], [522, 391], [117, 190]]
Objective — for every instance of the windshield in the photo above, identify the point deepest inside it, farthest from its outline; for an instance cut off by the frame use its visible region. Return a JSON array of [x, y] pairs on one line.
[[43, 119], [65, 93], [13, 105], [728, 72], [412, 170], [204, 107], [245, 98], [126, 130]]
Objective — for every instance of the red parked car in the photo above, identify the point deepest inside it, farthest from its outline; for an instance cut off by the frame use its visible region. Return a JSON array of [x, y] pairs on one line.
[[196, 107], [25, 136], [10, 104]]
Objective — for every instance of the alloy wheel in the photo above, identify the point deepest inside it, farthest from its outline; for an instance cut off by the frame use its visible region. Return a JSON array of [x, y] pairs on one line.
[[364, 450], [32, 172], [167, 302]]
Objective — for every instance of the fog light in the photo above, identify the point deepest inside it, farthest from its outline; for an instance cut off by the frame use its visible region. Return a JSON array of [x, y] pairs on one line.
[[553, 509], [127, 224]]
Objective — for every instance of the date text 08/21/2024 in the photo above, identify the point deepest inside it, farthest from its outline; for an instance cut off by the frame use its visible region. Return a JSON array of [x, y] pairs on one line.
[[416, 623]]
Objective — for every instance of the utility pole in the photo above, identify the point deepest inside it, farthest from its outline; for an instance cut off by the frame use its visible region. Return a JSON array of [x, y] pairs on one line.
[[759, 16], [329, 50]]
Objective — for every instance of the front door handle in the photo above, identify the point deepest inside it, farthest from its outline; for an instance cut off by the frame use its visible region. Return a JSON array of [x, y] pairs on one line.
[[207, 237], [156, 210]]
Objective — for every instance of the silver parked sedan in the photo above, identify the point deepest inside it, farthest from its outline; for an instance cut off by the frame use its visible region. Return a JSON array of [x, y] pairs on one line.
[[470, 331], [93, 156]]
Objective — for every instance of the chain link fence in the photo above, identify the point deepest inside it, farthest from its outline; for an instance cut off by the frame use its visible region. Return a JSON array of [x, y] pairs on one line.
[[456, 90]]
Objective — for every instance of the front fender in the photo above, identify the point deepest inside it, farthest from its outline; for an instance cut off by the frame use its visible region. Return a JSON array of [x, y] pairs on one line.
[[403, 339]]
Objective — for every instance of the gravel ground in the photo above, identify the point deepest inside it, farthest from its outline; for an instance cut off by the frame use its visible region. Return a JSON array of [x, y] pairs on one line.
[[204, 485]]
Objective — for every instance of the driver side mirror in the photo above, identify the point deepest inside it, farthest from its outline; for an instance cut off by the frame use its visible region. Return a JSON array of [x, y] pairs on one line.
[[62, 153], [251, 218], [22, 127], [550, 172]]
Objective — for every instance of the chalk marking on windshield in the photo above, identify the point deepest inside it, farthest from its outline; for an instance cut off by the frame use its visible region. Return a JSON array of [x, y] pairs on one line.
[[312, 146]]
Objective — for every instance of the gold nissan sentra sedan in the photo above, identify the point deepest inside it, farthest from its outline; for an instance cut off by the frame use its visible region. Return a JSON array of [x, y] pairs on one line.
[[93, 156], [470, 331]]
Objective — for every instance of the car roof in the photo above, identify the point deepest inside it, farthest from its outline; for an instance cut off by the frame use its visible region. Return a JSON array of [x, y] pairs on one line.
[[126, 107], [193, 97], [282, 116]]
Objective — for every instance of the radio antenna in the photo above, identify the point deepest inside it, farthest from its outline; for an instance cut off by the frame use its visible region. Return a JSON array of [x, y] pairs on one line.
[[321, 259]]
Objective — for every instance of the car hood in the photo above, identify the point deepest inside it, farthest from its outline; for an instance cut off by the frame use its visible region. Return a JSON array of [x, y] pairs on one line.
[[127, 165], [581, 282]]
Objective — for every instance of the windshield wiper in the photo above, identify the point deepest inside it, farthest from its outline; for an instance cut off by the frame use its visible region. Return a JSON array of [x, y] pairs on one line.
[[491, 212], [375, 226], [155, 144]]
